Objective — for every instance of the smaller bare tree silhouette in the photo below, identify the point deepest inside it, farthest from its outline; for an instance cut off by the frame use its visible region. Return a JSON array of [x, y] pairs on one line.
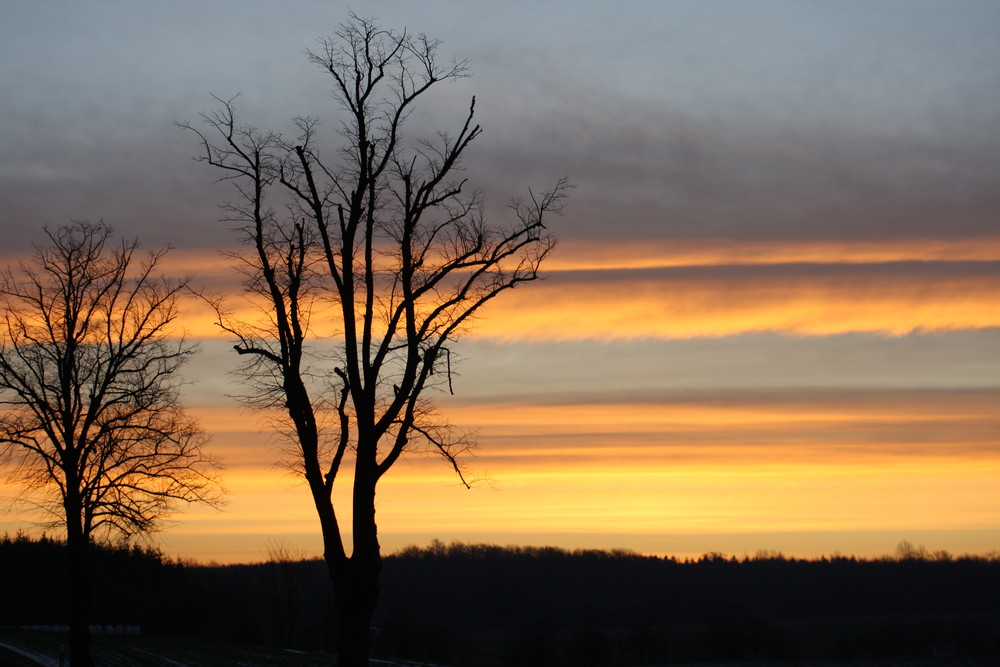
[[91, 422]]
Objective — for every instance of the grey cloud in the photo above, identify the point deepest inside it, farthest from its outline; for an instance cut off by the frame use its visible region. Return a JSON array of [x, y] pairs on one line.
[[682, 119], [816, 120], [896, 272], [660, 174], [846, 364]]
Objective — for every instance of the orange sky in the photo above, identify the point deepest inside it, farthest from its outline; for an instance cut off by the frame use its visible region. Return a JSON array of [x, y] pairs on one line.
[[807, 471], [773, 317], [611, 292], [579, 475], [776, 468]]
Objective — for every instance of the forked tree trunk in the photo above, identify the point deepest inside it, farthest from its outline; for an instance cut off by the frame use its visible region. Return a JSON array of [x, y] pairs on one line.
[[78, 552], [355, 583], [355, 580], [355, 607]]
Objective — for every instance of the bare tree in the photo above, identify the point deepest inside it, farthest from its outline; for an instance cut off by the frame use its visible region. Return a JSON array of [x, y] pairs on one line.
[[380, 250], [91, 422]]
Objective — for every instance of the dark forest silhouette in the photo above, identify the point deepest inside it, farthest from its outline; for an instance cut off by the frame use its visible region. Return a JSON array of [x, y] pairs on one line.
[[465, 604]]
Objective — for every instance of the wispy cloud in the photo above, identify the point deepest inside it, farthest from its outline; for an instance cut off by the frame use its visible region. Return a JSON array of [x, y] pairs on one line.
[[580, 255], [724, 301]]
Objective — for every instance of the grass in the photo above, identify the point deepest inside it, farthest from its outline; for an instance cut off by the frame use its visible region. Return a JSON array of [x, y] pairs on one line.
[[42, 649], [131, 651], [9, 658]]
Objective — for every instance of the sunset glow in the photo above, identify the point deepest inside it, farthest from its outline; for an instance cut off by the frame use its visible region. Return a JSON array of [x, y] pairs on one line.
[[685, 307], [771, 321], [809, 290], [855, 464], [584, 256]]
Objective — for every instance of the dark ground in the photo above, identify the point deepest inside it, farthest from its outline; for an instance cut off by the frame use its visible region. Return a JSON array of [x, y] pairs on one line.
[[488, 606]]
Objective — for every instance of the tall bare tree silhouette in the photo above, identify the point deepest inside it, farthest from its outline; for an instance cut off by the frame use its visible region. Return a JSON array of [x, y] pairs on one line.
[[91, 421], [379, 249]]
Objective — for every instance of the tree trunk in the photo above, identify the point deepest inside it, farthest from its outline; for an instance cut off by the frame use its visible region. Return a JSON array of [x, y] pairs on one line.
[[78, 552], [356, 589], [355, 579]]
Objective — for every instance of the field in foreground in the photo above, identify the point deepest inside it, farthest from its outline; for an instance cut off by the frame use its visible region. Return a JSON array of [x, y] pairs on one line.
[[31, 648], [26, 648]]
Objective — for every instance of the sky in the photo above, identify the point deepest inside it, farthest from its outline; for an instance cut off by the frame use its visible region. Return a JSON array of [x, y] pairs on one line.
[[773, 318]]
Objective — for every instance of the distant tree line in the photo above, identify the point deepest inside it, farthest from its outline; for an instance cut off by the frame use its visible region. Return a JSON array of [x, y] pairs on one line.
[[474, 604]]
